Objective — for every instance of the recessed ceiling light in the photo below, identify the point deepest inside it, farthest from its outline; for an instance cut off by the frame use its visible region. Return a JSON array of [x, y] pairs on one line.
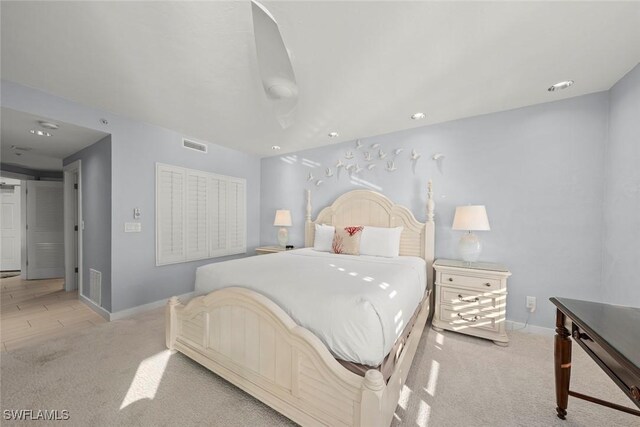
[[39, 132], [333, 134], [560, 85], [275, 147], [418, 116], [49, 125]]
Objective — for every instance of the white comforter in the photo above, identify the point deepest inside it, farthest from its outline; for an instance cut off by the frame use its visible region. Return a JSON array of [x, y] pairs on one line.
[[357, 305]]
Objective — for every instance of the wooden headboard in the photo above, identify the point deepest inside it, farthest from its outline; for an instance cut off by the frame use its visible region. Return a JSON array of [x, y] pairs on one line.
[[365, 207]]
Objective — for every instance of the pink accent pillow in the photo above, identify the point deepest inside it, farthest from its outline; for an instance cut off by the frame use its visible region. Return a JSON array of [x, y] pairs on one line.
[[346, 240]]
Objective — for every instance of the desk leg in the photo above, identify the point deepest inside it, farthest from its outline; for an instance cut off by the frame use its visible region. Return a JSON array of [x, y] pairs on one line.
[[562, 364]]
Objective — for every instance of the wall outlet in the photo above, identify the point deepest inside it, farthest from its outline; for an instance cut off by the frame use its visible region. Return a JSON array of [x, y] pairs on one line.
[[531, 304]]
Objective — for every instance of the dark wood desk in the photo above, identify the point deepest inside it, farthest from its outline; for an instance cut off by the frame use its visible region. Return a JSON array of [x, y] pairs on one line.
[[610, 334]]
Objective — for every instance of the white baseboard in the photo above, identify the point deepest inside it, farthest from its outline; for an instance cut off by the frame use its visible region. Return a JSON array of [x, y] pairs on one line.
[[533, 329], [146, 307], [93, 306]]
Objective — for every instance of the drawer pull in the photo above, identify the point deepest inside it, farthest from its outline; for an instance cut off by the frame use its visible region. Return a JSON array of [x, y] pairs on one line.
[[476, 299], [473, 319], [487, 284], [451, 279]]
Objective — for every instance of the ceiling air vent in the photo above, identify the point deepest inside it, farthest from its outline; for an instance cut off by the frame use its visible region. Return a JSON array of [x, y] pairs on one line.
[[192, 145]]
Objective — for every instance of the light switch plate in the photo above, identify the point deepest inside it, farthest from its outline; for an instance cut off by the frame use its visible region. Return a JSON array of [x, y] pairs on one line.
[[132, 227]]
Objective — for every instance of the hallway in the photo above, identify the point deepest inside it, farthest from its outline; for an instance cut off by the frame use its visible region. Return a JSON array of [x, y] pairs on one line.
[[33, 311]]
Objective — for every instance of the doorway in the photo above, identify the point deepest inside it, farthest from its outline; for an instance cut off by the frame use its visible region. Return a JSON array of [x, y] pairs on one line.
[[73, 226], [10, 235]]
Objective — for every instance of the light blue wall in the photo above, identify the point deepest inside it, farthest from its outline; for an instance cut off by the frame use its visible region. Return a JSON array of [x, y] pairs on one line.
[[621, 249], [537, 169], [96, 214], [135, 148]]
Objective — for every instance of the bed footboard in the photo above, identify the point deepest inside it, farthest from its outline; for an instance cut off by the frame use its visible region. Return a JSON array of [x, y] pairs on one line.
[[248, 340]]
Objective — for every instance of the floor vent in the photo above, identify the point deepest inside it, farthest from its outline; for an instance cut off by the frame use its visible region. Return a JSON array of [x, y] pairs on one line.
[[95, 286], [192, 145]]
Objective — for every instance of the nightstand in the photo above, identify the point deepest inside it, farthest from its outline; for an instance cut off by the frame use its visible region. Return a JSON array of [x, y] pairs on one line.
[[269, 250], [471, 298]]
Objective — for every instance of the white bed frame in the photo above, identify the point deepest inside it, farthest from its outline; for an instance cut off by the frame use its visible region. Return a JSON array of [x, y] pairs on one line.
[[251, 342]]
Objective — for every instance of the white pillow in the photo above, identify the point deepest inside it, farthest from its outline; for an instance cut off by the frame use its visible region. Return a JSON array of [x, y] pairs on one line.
[[377, 241], [323, 238]]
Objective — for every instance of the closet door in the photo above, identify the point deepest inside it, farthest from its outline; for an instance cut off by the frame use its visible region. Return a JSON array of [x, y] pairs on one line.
[[197, 212], [236, 216], [218, 215], [170, 214]]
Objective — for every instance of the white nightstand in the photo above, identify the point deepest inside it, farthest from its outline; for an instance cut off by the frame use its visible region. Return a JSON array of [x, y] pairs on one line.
[[471, 298], [269, 250]]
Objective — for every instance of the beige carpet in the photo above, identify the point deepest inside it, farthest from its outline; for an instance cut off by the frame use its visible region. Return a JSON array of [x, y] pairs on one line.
[[119, 373]]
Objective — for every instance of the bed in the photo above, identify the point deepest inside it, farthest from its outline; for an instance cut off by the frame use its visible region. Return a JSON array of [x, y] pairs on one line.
[[270, 333]]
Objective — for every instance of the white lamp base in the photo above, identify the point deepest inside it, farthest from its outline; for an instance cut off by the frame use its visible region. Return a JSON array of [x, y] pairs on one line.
[[283, 237], [469, 247]]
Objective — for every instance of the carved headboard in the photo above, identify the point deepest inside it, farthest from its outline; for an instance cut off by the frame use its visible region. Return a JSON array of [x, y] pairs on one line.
[[365, 207]]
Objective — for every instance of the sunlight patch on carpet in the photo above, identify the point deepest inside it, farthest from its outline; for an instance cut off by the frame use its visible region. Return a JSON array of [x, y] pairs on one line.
[[147, 379], [433, 378]]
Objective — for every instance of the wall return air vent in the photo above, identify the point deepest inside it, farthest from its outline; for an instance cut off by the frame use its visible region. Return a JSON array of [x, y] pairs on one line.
[[192, 145]]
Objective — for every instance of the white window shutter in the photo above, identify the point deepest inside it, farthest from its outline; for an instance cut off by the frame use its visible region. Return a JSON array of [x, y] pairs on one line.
[[170, 214], [236, 212], [197, 214], [218, 218]]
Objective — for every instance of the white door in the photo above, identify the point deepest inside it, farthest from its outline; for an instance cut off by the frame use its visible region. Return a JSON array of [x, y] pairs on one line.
[[45, 230], [10, 225]]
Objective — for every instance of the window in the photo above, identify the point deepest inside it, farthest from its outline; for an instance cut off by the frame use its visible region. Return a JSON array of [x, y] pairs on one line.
[[198, 215]]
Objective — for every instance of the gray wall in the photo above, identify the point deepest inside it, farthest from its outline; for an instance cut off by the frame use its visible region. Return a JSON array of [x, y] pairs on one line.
[[537, 169], [138, 279], [96, 214], [135, 148], [621, 249]]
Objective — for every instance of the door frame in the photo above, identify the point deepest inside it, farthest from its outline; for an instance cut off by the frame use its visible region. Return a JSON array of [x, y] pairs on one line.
[[69, 264]]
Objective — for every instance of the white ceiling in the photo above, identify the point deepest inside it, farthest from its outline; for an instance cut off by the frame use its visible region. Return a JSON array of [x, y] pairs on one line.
[[362, 67], [45, 152]]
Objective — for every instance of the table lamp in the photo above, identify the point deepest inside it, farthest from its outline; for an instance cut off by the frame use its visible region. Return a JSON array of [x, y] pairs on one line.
[[470, 218], [282, 220]]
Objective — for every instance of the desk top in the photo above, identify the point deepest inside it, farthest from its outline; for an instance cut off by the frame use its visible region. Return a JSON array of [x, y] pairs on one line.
[[615, 325]]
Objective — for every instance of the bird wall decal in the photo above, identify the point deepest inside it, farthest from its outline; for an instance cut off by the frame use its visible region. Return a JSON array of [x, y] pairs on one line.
[[381, 154], [367, 156], [348, 155], [328, 172], [310, 177], [391, 166]]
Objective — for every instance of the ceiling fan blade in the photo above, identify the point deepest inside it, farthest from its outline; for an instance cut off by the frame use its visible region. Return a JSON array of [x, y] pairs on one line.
[[274, 63]]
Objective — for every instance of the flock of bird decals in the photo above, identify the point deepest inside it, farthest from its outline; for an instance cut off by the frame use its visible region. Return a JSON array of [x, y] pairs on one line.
[[373, 153]]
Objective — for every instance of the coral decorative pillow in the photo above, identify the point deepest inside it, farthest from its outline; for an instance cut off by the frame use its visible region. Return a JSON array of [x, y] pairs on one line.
[[346, 240]]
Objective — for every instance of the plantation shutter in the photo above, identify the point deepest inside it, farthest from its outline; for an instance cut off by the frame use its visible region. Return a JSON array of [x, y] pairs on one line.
[[236, 211], [197, 215], [218, 218], [170, 218]]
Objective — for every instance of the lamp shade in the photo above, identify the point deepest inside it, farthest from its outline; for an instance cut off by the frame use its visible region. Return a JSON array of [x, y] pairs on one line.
[[283, 218], [471, 218]]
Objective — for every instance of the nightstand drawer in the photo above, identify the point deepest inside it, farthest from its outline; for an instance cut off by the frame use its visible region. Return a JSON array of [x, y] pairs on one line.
[[473, 318], [466, 298], [469, 281]]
